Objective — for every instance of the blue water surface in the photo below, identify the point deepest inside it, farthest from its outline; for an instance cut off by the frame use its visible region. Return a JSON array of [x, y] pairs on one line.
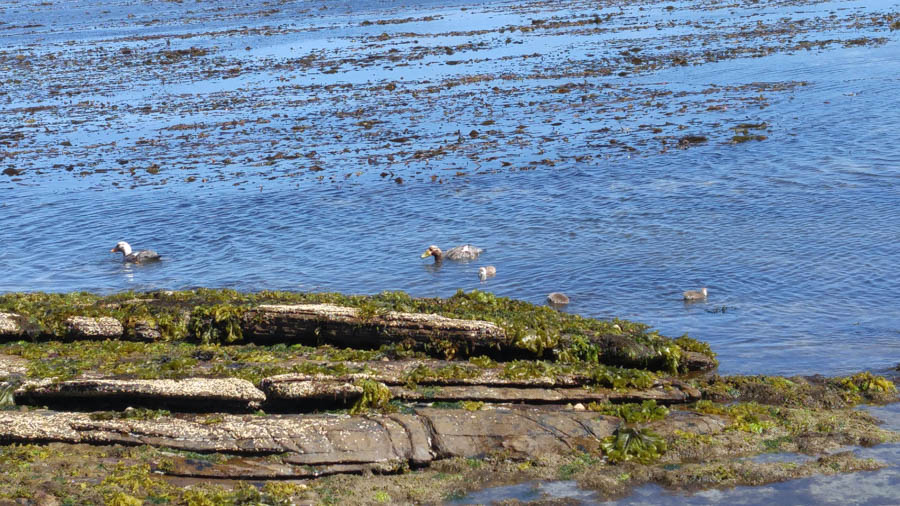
[[795, 236]]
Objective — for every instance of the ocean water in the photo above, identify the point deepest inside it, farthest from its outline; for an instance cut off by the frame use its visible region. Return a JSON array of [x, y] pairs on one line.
[[796, 236], [589, 147]]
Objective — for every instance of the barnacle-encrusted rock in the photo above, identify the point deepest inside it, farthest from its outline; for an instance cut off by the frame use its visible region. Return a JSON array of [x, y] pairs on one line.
[[11, 326], [11, 365], [348, 326], [469, 383], [145, 330], [83, 327], [494, 394], [311, 393], [192, 394], [327, 440]]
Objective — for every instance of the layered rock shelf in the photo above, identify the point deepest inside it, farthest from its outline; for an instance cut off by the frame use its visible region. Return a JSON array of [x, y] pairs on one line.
[[189, 394], [311, 392], [314, 324], [480, 384], [344, 326], [323, 440], [299, 389]]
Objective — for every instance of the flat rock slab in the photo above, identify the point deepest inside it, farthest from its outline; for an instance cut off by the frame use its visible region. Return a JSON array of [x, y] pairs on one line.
[[313, 324], [688, 421], [435, 372], [191, 394], [260, 468], [456, 433], [472, 383], [319, 394], [521, 433], [539, 395], [328, 440], [311, 395]]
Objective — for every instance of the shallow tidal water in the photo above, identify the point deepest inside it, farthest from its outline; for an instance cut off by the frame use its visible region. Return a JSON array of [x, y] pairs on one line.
[[880, 487], [591, 148], [795, 235]]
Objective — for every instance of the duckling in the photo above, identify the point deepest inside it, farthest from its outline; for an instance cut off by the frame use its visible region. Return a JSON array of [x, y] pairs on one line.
[[487, 272], [459, 253], [137, 257], [558, 299], [694, 295]]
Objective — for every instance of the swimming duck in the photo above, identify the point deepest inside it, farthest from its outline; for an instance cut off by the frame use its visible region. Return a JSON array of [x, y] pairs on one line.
[[691, 295], [137, 257], [464, 252], [487, 272], [558, 299]]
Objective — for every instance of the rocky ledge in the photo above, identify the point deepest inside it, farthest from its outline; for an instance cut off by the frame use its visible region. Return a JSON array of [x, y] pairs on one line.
[[188, 394], [329, 398]]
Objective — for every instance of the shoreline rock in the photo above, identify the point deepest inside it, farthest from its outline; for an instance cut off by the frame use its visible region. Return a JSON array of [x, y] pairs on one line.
[[312, 324], [540, 395], [178, 316]]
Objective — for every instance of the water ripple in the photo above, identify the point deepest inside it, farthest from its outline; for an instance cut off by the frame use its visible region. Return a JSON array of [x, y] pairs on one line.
[[795, 237]]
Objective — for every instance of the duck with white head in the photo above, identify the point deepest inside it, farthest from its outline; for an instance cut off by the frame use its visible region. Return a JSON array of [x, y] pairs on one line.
[[134, 257]]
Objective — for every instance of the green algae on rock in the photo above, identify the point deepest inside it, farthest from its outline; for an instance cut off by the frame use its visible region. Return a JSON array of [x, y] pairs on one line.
[[630, 456], [428, 428], [375, 396], [629, 443], [646, 411], [813, 391], [523, 330]]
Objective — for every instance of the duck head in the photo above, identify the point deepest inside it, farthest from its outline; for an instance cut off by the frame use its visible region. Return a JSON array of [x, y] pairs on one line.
[[122, 246], [435, 252]]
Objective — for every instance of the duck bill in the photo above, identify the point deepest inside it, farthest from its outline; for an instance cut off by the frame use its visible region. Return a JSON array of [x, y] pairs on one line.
[[426, 254], [113, 250]]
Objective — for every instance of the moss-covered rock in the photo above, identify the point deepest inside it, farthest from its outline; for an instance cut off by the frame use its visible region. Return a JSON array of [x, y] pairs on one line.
[[225, 316], [451, 419], [813, 391]]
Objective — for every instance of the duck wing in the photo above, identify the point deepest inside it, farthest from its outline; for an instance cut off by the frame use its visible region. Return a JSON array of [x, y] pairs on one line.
[[464, 252], [139, 257]]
